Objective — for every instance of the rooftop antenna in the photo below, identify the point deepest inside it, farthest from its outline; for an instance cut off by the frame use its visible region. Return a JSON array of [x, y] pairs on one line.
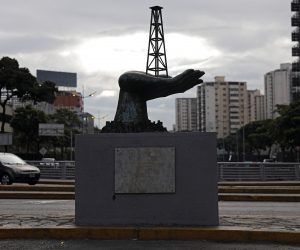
[[156, 58]]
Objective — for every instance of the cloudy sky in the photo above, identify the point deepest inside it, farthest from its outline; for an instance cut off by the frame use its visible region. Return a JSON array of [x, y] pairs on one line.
[[100, 40]]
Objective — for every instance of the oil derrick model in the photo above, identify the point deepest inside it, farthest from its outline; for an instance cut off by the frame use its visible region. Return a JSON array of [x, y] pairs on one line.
[[156, 58]]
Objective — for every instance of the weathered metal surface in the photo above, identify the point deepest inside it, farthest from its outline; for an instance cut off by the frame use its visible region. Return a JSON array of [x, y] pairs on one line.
[[136, 88], [145, 170]]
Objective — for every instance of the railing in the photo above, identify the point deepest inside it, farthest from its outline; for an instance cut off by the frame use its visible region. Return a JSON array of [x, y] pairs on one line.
[[227, 171], [241, 171], [55, 170]]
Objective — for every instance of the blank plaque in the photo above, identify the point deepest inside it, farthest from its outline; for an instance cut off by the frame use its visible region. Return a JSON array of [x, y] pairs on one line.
[[145, 170]]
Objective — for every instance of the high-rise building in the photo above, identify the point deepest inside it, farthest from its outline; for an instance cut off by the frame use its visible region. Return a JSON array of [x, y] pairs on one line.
[[206, 107], [295, 6], [277, 85], [222, 106], [260, 108], [186, 114], [255, 105]]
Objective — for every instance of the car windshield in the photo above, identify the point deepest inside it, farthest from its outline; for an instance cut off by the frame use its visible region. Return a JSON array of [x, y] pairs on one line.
[[11, 159]]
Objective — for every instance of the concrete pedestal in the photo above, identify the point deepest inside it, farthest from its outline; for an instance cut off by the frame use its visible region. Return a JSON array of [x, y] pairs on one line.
[[146, 179]]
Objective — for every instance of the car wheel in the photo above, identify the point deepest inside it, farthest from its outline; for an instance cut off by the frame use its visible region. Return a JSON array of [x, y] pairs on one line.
[[32, 182], [6, 179]]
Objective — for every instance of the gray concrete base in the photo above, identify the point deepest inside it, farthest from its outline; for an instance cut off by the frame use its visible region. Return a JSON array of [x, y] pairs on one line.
[[192, 201]]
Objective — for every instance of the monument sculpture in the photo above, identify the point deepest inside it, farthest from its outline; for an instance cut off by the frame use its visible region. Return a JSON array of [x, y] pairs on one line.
[[141, 179], [136, 88]]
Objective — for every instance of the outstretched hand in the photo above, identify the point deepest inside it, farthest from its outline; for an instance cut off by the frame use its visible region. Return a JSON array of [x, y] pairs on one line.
[[151, 87]]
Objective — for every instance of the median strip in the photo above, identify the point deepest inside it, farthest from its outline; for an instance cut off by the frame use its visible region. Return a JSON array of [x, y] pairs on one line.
[[153, 233]]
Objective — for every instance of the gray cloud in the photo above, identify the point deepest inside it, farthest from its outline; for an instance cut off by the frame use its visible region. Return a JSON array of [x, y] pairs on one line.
[[31, 44], [250, 35]]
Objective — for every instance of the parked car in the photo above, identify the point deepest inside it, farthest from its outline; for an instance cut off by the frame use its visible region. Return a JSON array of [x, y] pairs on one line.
[[14, 169]]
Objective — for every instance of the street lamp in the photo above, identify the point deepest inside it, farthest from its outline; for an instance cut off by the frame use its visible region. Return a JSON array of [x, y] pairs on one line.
[[87, 96], [223, 139], [243, 131], [83, 116]]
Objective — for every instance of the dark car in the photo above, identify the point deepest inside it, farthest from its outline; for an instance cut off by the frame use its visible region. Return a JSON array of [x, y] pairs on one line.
[[14, 169]]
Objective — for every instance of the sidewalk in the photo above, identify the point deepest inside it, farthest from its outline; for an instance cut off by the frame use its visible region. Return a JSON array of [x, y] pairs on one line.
[[245, 227], [270, 223]]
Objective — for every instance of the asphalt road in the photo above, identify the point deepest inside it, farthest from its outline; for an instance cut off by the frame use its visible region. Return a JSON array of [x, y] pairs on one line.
[[37, 207], [135, 245]]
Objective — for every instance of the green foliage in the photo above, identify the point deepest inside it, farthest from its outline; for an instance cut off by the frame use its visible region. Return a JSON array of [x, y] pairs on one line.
[[25, 124], [44, 92], [26, 127], [72, 126], [258, 135], [68, 118], [261, 135], [287, 126], [16, 81]]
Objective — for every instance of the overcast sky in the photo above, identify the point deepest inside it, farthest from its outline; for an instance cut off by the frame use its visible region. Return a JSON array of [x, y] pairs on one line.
[[99, 40]]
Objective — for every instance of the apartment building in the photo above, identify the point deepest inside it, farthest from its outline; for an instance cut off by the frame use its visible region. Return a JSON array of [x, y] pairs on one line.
[[256, 111], [222, 106], [277, 84], [186, 114]]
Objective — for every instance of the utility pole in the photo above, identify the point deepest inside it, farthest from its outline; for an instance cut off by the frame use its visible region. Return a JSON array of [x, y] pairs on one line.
[[156, 59]]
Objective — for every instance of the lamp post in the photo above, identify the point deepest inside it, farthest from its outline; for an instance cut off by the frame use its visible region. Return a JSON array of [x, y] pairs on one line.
[[71, 151], [87, 96], [243, 131], [84, 118], [223, 139], [244, 154]]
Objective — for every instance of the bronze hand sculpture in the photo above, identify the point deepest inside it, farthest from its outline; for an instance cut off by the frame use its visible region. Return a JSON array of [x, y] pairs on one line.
[[136, 88]]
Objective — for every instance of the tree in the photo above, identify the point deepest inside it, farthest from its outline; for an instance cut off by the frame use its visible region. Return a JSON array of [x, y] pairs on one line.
[[258, 136], [72, 126], [26, 126], [287, 128], [18, 82], [230, 144]]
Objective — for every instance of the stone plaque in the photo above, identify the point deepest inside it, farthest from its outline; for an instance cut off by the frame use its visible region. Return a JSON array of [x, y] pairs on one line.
[[145, 170]]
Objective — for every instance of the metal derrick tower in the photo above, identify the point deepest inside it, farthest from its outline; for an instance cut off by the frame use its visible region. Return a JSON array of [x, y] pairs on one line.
[[295, 7], [156, 58]]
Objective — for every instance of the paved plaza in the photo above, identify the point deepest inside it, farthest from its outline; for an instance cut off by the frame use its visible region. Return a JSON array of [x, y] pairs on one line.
[[277, 216]]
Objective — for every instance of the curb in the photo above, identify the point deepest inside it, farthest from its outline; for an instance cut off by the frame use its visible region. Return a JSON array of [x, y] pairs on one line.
[[259, 183], [260, 197], [222, 190], [260, 190], [38, 188], [37, 195], [222, 196], [228, 234]]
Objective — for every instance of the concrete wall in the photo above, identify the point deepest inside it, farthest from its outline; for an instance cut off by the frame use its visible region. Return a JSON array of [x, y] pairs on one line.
[[194, 202]]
